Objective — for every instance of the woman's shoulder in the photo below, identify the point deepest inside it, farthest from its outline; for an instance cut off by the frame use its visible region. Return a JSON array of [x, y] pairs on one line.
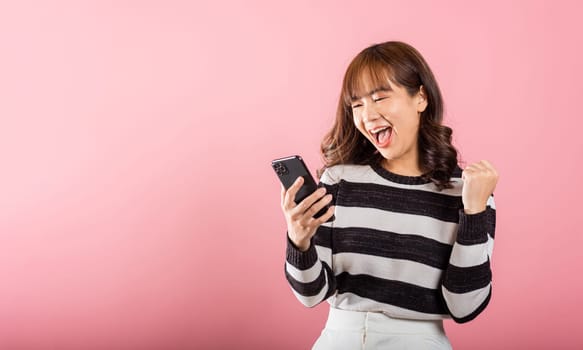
[[339, 172], [455, 181]]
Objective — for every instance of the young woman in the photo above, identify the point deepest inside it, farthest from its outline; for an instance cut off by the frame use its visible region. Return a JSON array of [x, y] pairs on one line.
[[412, 234]]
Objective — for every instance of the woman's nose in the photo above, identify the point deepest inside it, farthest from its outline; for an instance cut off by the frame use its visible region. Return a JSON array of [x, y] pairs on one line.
[[369, 112]]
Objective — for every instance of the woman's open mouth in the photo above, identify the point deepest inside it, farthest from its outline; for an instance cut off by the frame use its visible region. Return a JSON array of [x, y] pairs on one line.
[[382, 135]]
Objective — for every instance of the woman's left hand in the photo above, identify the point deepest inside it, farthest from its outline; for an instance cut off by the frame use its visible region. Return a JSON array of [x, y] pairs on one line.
[[479, 182]]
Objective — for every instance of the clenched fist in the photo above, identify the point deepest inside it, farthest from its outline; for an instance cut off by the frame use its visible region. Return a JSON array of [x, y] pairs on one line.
[[479, 182]]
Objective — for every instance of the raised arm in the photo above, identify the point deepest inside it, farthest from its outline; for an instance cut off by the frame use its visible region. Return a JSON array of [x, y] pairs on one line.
[[467, 283], [308, 266]]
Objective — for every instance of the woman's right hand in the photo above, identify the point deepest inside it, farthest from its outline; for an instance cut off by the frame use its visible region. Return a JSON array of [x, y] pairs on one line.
[[301, 225]]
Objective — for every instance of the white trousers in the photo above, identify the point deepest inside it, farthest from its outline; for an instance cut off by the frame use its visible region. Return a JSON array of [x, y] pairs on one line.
[[352, 330]]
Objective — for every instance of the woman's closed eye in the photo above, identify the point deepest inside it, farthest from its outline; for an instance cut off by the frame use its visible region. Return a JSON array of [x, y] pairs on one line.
[[378, 99]]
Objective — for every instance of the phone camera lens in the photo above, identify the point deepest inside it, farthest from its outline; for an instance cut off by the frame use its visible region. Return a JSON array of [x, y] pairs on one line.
[[280, 169]]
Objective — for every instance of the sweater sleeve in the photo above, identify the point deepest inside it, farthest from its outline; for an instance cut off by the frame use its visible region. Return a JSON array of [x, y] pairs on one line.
[[310, 274], [467, 282]]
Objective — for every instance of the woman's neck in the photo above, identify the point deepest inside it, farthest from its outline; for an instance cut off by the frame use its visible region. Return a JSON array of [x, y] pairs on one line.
[[403, 167]]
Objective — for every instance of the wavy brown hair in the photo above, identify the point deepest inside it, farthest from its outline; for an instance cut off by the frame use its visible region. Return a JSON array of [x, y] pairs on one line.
[[404, 66]]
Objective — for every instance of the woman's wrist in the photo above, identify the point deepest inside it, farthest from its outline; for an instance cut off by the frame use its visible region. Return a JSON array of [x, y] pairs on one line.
[[302, 245], [474, 210]]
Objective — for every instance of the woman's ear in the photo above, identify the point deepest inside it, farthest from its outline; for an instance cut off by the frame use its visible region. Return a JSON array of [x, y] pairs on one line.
[[421, 99]]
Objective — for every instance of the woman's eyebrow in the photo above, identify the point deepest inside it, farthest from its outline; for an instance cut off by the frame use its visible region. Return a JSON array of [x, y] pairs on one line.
[[385, 88]]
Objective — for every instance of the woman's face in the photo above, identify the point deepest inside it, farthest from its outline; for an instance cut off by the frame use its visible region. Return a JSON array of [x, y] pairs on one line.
[[389, 118]]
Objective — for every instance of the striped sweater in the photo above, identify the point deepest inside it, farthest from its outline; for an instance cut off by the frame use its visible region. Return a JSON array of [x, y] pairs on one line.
[[396, 245]]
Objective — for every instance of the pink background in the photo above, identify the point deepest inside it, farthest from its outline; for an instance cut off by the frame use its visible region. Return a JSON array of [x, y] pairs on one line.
[[138, 208]]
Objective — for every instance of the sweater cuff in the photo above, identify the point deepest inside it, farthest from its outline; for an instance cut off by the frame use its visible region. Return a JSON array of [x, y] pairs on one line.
[[473, 228], [299, 259]]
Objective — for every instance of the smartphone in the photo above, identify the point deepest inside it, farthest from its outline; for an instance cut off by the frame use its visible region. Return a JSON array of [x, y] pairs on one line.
[[288, 169]]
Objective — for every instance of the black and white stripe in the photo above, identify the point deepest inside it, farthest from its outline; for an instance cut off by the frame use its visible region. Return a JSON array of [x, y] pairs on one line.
[[396, 245], [407, 201]]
